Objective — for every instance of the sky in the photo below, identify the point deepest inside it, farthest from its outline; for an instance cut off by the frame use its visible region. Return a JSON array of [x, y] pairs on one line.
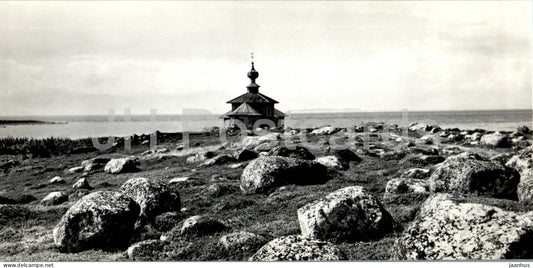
[[76, 58]]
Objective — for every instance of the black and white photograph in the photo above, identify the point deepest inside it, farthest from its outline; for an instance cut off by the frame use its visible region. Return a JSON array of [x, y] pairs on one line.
[[339, 132]]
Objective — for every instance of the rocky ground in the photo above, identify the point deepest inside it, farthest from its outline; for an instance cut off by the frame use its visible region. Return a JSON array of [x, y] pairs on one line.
[[371, 192]]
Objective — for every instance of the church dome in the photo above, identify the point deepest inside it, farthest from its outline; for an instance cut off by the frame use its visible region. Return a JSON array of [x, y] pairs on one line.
[[253, 74]]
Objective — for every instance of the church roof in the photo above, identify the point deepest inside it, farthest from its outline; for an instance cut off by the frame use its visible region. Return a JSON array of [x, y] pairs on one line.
[[278, 114], [253, 98], [243, 109]]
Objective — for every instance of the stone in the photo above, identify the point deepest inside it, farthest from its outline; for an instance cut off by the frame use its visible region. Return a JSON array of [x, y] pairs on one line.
[[219, 160], [198, 225], [330, 161], [325, 131], [82, 183], [245, 155], [523, 163], [94, 164], [346, 156], [298, 152], [346, 215], [298, 248], [242, 241], [416, 173], [447, 230], [166, 221], [147, 250], [54, 198], [405, 186], [153, 197], [179, 180], [523, 130], [217, 190], [200, 157], [468, 173], [265, 147], [74, 170], [249, 142], [121, 165], [495, 140], [266, 173], [422, 160], [56, 180], [100, 220]]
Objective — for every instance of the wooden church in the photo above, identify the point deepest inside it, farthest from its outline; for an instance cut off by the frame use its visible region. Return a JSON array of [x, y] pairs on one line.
[[252, 106]]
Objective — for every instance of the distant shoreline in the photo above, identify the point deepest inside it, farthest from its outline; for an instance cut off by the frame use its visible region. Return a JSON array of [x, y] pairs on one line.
[[25, 122]]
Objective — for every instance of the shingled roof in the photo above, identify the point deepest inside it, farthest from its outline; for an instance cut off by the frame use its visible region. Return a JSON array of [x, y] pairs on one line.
[[253, 98]]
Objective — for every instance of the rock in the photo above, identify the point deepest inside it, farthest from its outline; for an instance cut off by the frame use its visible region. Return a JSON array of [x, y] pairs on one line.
[[265, 147], [325, 131], [238, 165], [219, 160], [452, 150], [200, 157], [264, 174], [198, 225], [469, 173], [523, 130], [94, 164], [405, 186], [103, 220], [445, 230], [217, 190], [348, 214], [153, 197], [495, 140], [245, 155], [420, 127], [421, 160], [81, 184], [54, 198], [56, 180], [331, 162], [476, 136], [346, 156], [147, 250], [121, 165], [523, 163], [179, 180], [298, 152], [74, 170], [424, 150], [297, 248], [392, 155], [242, 241], [249, 142], [416, 173], [166, 221]]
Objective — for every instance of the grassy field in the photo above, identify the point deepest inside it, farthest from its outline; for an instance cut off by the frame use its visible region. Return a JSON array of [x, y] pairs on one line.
[[26, 228]]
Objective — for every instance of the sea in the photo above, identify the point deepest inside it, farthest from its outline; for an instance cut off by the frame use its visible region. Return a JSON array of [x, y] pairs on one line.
[[75, 127]]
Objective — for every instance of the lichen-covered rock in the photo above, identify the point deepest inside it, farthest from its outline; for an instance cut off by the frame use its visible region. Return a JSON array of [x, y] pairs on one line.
[[242, 241], [147, 250], [330, 161], [121, 165], [245, 155], [348, 214], [298, 152], [250, 142], [200, 157], [495, 140], [219, 160], [523, 162], [54, 198], [217, 189], [265, 147], [325, 131], [74, 170], [153, 196], [445, 229], [416, 173], [198, 225], [94, 164], [297, 248], [82, 183], [56, 180], [103, 220], [166, 221], [264, 174], [346, 156], [405, 186], [469, 173]]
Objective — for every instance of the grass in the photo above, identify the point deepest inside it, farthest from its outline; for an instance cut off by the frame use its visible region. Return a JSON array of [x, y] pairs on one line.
[[25, 229]]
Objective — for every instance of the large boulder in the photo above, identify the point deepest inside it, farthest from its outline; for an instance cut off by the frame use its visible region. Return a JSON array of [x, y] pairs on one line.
[[330, 161], [245, 155], [469, 173], [54, 198], [82, 183], [297, 248], [264, 174], [153, 196], [348, 214], [198, 225], [94, 164], [298, 152], [496, 139], [405, 186], [446, 229], [103, 220], [121, 165], [523, 162]]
